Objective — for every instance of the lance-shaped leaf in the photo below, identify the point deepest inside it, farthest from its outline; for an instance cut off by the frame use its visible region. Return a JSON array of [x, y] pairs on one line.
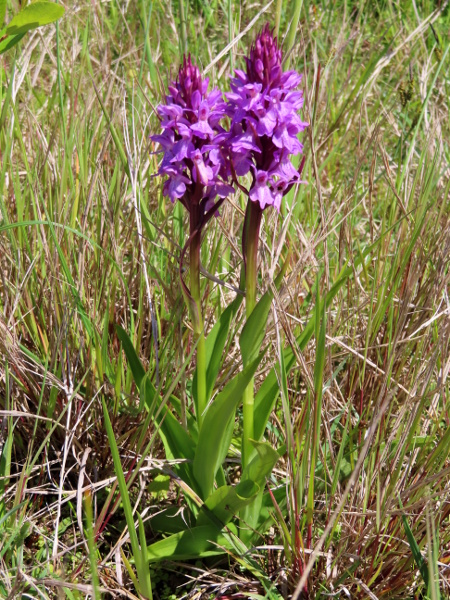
[[177, 442], [215, 434], [173, 520], [215, 344], [198, 542], [261, 464], [225, 502], [256, 471]]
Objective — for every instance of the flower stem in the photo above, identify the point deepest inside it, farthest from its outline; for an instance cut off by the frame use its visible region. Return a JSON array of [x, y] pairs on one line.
[[196, 316], [296, 9], [251, 236], [183, 31], [278, 16]]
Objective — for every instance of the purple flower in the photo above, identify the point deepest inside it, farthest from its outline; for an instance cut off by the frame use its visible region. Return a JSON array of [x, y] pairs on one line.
[[193, 142], [260, 191], [263, 106]]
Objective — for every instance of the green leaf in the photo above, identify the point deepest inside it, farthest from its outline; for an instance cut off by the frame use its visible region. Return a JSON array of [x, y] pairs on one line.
[[191, 421], [159, 486], [9, 41], [215, 344], [256, 471], [172, 520], [261, 464], [215, 434], [2, 12], [34, 15], [255, 328], [126, 502], [417, 555], [133, 359], [225, 502], [177, 442], [197, 542]]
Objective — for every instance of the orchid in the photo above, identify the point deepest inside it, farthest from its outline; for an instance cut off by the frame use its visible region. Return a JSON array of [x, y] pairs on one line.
[[193, 158], [196, 165], [200, 157], [263, 106]]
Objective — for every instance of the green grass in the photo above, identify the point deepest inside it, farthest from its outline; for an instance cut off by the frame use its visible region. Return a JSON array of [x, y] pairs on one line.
[[361, 496]]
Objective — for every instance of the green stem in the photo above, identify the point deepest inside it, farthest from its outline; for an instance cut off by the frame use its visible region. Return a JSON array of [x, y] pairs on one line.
[[278, 16], [196, 315], [252, 226], [296, 9], [183, 29]]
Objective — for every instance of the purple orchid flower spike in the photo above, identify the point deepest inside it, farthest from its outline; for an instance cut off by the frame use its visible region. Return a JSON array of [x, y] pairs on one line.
[[193, 157], [263, 105], [196, 164]]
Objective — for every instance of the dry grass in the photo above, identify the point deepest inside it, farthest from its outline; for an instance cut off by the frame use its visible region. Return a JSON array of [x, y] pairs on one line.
[[76, 258]]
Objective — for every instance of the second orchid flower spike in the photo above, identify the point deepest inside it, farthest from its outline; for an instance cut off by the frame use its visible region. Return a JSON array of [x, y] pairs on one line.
[[263, 106]]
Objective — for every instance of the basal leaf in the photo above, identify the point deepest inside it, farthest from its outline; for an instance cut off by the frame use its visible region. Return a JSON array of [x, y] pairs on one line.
[[172, 520], [34, 15], [177, 442], [215, 344], [256, 471], [197, 542], [261, 464], [225, 502], [133, 359], [214, 436]]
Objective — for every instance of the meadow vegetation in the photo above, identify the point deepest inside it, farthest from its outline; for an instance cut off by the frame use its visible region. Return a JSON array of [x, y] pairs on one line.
[[361, 491]]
